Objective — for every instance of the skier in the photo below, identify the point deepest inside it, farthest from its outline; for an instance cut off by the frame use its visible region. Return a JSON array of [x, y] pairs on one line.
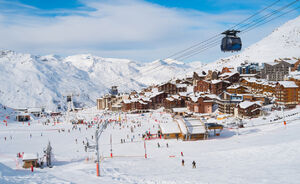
[[182, 162], [158, 145], [194, 164], [167, 145]]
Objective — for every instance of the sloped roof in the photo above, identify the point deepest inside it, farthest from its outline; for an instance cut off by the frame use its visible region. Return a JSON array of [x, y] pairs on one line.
[[288, 84], [246, 104], [169, 128]]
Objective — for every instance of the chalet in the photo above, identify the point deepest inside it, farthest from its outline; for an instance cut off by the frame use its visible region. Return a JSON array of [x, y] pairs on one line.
[[294, 76], [37, 112], [236, 89], [168, 88], [213, 87], [294, 62], [202, 86], [296, 66], [197, 77], [200, 104], [126, 105], [30, 160], [157, 99], [228, 101], [249, 109], [218, 86], [259, 86], [21, 117], [169, 130], [111, 102], [287, 93], [173, 102], [172, 88], [232, 77]]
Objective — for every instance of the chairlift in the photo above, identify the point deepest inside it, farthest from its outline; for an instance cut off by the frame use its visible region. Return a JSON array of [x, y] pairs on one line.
[[231, 42]]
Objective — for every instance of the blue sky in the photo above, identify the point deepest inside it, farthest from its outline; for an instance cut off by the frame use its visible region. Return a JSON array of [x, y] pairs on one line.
[[142, 30]]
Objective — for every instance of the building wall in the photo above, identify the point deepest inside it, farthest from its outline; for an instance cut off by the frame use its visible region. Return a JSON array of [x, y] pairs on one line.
[[275, 72], [287, 96]]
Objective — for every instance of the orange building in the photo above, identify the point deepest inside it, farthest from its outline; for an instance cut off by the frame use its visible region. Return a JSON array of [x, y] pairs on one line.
[[287, 93]]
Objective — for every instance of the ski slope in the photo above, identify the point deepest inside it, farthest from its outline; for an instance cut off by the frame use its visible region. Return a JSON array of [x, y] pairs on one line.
[[268, 153]]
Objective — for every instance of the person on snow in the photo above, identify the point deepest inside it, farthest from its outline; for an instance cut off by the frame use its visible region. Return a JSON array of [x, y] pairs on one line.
[[194, 164], [167, 145], [182, 162], [158, 145]]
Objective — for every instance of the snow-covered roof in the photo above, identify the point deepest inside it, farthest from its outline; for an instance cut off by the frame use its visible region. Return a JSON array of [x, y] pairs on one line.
[[194, 126], [146, 99], [215, 81], [23, 114], [288, 84], [234, 86], [183, 109], [29, 156], [169, 128], [126, 101], [295, 75], [228, 74], [35, 109], [141, 102], [170, 99], [194, 98], [183, 93], [248, 75], [291, 61], [175, 97], [271, 63], [182, 126], [246, 104], [181, 85]]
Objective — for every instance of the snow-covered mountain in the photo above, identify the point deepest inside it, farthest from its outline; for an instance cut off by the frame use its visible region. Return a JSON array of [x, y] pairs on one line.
[[283, 42], [35, 81]]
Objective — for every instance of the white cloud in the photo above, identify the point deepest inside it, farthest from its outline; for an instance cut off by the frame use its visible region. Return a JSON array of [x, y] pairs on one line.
[[126, 29]]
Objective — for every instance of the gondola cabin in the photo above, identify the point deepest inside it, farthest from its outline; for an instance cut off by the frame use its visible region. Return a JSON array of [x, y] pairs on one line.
[[231, 42]]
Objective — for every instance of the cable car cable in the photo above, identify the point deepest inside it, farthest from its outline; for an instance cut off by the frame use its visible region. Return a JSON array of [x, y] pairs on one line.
[[251, 27], [269, 15], [296, 8], [216, 43], [198, 44]]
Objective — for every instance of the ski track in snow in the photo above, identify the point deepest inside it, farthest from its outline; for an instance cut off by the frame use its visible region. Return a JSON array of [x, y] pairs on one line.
[[266, 153]]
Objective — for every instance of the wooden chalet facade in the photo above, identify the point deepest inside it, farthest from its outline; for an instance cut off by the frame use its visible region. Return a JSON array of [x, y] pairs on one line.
[[202, 104], [172, 88], [231, 77], [287, 93], [213, 87], [249, 109]]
